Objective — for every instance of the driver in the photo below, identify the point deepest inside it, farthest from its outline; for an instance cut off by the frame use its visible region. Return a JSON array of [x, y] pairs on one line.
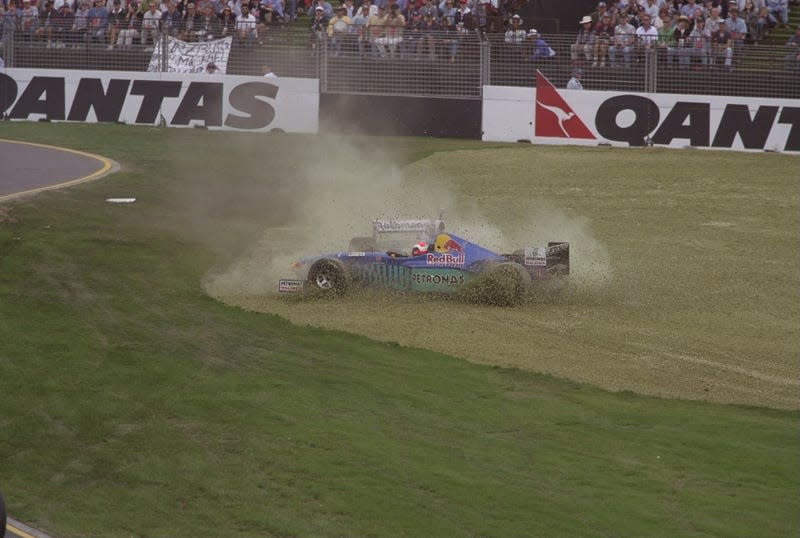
[[419, 248]]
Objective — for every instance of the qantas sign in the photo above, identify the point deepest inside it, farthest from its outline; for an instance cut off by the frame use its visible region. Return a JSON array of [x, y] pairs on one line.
[[173, 99], [551, 116]]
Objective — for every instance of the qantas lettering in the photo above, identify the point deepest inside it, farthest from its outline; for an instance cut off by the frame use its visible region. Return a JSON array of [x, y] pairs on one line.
[[202, 101], [691, 120]]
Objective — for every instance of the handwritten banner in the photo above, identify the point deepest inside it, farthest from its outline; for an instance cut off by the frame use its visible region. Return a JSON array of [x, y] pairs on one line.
[[183, 57]]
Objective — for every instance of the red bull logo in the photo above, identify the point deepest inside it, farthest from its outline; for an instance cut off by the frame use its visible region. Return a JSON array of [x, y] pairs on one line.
[[447, 252]]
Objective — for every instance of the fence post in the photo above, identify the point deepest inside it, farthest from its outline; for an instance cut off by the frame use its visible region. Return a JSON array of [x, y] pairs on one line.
[[162, 36], [486, 62], [650, 84], [8, 47], [322, 62]]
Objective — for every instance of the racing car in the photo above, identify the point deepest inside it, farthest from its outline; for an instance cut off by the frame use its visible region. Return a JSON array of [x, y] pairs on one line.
[[418, 255]]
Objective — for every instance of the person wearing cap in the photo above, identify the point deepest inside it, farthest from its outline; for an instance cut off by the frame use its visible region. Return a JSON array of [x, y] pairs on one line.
[[601, 10], [190, 23], [172, 20], [584, 42], [540, 50], [722, 46], [516, 34], [338, 29], [680, 45], [575, 82], [792, 60], [603, 39], [327, 9], [624, 38], [319, 26]]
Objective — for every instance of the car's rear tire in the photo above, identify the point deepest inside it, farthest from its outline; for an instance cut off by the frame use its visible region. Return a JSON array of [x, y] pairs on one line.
[[328, 277], [499, 284]]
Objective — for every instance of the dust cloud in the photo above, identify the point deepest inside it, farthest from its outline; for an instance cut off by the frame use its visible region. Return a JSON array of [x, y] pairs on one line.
[[335, 199]]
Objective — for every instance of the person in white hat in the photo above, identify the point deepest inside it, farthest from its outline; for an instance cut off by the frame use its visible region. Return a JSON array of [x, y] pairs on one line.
[[515, 35], [575, 82], [584, 42]]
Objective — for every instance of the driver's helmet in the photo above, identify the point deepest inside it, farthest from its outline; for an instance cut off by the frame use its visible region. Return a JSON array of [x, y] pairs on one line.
[[419, 248]]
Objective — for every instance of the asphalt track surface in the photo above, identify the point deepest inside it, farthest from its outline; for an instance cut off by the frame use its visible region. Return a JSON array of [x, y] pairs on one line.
[[25, 169]]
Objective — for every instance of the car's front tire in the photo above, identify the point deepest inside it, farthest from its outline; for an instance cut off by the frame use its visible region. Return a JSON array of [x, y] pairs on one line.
[[328, 277]]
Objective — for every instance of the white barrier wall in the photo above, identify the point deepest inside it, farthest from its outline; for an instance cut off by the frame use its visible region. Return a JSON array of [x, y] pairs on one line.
[[226, 102], [547, 115]]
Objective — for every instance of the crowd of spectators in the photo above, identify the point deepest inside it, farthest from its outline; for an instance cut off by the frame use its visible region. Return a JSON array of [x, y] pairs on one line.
[[693, 33], [687, 33]]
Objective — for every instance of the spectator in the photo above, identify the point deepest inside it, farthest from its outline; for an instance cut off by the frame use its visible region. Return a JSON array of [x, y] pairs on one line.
[[624, 36], [662, 19], [319, 25], [172, 20], [584, 42], [63, 22], [750, 15], [190, 23], [651, 8], [208, 28], [737, 27], [428, 7], [29, 19], [268, 73], [11, 19], [604, 37], [44, 30], [463, 15], [447, 12], [98, 22], [212, 68], [575, 82], [359, 28], [792, 60], [393, 36], [429, 31], [80, 28], [700, 39], [722, 46], [646, 34], [133, 25], [338, 29], [712, 24], [516, 34], [227, 22], [602, 9], [778, 10], [116, 21], [681, 44], [688, 10], [372, 8], [667, 30], [540, 50], [327, 10], [151, 24], [246, 26]]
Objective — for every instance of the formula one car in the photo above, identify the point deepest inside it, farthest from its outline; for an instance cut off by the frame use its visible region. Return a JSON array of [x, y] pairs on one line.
[[418, 256]]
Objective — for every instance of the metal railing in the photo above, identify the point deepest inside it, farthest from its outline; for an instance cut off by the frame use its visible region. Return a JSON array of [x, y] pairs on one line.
[[453, 64]]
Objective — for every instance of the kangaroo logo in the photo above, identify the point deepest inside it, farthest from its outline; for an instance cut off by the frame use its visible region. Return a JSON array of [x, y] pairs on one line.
[[553, 116]]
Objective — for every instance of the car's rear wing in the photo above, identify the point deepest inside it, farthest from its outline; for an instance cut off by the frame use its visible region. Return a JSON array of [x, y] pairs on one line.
[[427, 226]]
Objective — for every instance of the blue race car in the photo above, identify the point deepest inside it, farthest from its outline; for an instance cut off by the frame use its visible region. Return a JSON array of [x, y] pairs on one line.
[[419, 256]]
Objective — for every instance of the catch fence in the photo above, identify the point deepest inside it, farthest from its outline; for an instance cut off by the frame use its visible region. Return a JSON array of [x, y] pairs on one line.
[[448, 64]]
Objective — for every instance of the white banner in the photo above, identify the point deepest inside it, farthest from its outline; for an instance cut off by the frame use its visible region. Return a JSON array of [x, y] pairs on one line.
[[183, 57], [546, 115], [225, 102]]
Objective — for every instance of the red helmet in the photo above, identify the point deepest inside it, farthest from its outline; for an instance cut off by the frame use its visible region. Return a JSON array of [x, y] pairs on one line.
[[419, 248]]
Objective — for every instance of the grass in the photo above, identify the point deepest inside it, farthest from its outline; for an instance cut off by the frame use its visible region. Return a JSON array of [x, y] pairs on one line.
[[136, 405]]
